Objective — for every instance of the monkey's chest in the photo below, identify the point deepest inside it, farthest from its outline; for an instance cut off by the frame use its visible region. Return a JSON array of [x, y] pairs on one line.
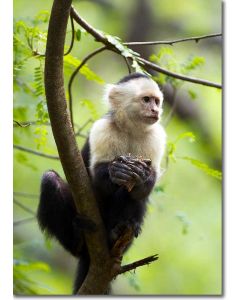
[[134, 146]]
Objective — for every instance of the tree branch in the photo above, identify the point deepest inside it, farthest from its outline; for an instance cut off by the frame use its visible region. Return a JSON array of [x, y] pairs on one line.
[[99, 274], [138, 263], [35, 152], [28, 123], [128, 65], [25, 195], [24, 207], [99, 37], [25, 124], [74, 75], [145, 63], [24, 221], [72, 38], [195, 38]]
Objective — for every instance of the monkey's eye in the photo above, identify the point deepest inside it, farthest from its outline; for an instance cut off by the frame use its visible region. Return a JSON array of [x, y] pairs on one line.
[[157, 101], [146, 99]]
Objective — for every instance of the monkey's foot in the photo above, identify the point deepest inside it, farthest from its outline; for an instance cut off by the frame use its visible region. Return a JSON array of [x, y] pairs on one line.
[[120, 228]]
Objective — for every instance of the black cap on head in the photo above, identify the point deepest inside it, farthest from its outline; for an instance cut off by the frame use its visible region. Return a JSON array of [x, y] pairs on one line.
[[132, 77]]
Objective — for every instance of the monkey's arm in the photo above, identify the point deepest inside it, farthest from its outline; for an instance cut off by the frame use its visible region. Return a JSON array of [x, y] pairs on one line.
[[138, 177], [122, 208], [102, 184]]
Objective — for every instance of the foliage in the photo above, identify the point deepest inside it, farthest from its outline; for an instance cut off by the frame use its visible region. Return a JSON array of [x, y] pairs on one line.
[[167, 59], [22, 277], [204, 167], [171, 154]]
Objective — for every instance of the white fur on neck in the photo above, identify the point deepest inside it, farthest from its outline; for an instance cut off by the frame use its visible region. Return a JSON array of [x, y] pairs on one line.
[[107, 142]]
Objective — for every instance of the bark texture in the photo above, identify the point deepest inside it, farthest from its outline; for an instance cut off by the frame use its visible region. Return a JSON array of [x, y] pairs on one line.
[[100, 272]]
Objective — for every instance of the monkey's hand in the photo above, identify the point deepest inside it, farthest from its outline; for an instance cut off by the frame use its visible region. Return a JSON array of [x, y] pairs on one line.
[[129, 171]]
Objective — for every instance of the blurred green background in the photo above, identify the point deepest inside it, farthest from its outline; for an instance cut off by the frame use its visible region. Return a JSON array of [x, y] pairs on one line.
[[183, 224]]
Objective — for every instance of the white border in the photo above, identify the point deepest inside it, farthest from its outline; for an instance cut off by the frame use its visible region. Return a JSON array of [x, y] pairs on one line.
[[231, 151], [6, 150]]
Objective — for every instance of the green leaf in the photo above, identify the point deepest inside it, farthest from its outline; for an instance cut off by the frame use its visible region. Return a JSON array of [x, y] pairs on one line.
[[158, 189], [204, 167], [78, 35], [137, 67], [163, 53], [72, 61], [172, 146], [189, 135], [42, 17], [192, 94], [191, 64], [171, 149], [22, 277], [31, 266]]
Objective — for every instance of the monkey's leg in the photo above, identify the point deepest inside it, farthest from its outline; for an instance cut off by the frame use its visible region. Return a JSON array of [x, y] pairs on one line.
[[57, 214]]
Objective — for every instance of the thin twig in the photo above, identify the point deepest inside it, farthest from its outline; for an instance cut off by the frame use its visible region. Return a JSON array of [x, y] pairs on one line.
[[139, 263], [195, 38], [21, 124], [128, 65], [24, 221], [29, 123], [23, 207], [81, 135], [25, 195], [74, 75], [72, 39], [78, 133], [146, 64], [85, 124], [35, 152]]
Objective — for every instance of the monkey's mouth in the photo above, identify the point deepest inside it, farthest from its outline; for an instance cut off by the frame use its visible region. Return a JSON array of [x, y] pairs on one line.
[[152, 118]]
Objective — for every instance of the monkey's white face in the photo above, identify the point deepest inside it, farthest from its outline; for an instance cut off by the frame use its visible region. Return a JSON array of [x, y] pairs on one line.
[[150, 108], [146, 105], [139, 99]]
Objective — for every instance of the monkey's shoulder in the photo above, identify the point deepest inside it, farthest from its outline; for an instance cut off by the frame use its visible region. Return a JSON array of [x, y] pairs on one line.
[[100, 132], [103, 141]]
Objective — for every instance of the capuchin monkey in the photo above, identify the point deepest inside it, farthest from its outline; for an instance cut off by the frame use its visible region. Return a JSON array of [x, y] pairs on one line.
[[122, 156]]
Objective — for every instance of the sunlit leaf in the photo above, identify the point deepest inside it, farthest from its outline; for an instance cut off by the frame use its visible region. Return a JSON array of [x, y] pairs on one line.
[[78, 34], [74, 62], [204, 167]]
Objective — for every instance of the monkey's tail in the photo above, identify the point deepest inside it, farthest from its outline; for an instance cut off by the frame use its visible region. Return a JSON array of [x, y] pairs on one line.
[[82, 270]]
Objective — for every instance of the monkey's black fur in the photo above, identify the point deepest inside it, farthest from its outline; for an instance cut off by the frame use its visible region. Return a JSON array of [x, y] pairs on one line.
[[119, 208], [133, 76]]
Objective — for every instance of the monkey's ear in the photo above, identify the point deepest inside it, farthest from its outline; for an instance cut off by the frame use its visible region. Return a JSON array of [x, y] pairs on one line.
[[112, 94]]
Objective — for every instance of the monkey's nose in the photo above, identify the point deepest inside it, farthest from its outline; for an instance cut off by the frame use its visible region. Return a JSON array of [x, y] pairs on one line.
[[154, 111]]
